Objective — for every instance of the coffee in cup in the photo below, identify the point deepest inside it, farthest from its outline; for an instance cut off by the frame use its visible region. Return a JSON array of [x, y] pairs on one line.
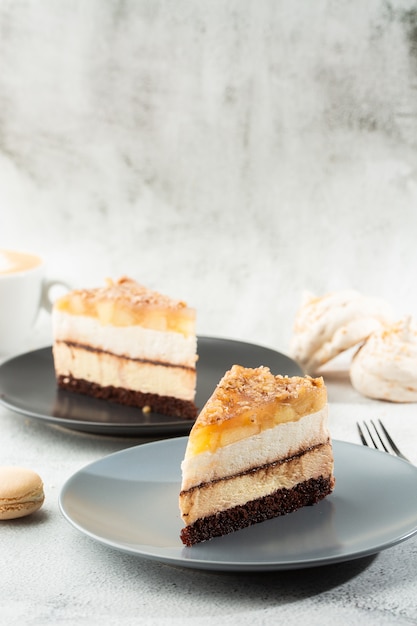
[[12, 261], [24, 290]]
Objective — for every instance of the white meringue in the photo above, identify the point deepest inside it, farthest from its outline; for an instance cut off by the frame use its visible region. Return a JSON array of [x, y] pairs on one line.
[[328, 325], [385, 367]]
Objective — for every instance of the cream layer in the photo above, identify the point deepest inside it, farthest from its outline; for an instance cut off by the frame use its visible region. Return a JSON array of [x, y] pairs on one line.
[[280, 442], [111, 370], [211, 498], [135, 342]]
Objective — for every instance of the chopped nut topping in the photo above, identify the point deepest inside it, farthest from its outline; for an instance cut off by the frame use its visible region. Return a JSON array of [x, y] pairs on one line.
[[241, 389], [126, 303], [128, 290]]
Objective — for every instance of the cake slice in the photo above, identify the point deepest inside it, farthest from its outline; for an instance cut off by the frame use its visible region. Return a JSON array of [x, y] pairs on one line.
[[259, 448], [127, 344]]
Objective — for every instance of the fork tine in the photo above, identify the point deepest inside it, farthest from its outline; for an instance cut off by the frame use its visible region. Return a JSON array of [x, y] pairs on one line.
[[374, 443], [380, 438], [391, 442], [374, 436], [361, 435]]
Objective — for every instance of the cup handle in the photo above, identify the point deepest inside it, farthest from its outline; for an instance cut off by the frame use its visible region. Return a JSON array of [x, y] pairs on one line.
[[48, 285]]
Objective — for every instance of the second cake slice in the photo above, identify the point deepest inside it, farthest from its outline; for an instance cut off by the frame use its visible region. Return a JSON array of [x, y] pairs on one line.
[[127, 344]]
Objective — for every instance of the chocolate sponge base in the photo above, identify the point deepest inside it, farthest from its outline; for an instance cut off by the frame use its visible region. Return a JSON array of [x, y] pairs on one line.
[[165, 405], [281, 502]]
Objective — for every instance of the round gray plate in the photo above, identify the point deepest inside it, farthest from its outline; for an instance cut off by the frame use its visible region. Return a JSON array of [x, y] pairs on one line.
[[129, 501], [28, 386]]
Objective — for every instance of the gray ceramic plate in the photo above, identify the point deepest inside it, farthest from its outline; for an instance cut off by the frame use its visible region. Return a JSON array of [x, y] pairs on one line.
[[27, 386], [129, 501]]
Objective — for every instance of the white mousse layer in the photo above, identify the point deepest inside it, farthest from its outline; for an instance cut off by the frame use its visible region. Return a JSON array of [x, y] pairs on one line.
[[134, 342], [271, 445]]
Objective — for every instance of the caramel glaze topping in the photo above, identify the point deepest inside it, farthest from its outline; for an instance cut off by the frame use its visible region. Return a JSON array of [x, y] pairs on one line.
[[243, 388], [124, 302], [247, 401]]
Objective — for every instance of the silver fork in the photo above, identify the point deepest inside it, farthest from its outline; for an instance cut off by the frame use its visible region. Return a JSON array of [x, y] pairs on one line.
[[379, 441]]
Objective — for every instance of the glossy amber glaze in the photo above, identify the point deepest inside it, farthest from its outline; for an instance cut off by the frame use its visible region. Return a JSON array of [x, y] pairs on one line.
[[126, 303], [249, 401]]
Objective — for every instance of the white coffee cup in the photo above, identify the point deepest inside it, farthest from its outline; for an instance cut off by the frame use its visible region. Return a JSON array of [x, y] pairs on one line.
[[24, 290]]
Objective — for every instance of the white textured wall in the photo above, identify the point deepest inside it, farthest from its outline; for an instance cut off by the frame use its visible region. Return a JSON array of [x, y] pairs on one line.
[[232, 153]]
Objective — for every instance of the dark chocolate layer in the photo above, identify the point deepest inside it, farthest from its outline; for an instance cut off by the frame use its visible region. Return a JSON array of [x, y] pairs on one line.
[[166, 405], [281, 502]]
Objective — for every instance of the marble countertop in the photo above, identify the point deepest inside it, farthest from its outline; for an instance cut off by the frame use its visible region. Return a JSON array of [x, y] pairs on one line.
[[50, 573]]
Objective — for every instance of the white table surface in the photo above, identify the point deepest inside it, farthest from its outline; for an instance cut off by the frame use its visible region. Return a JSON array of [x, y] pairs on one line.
[[51, 574]]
